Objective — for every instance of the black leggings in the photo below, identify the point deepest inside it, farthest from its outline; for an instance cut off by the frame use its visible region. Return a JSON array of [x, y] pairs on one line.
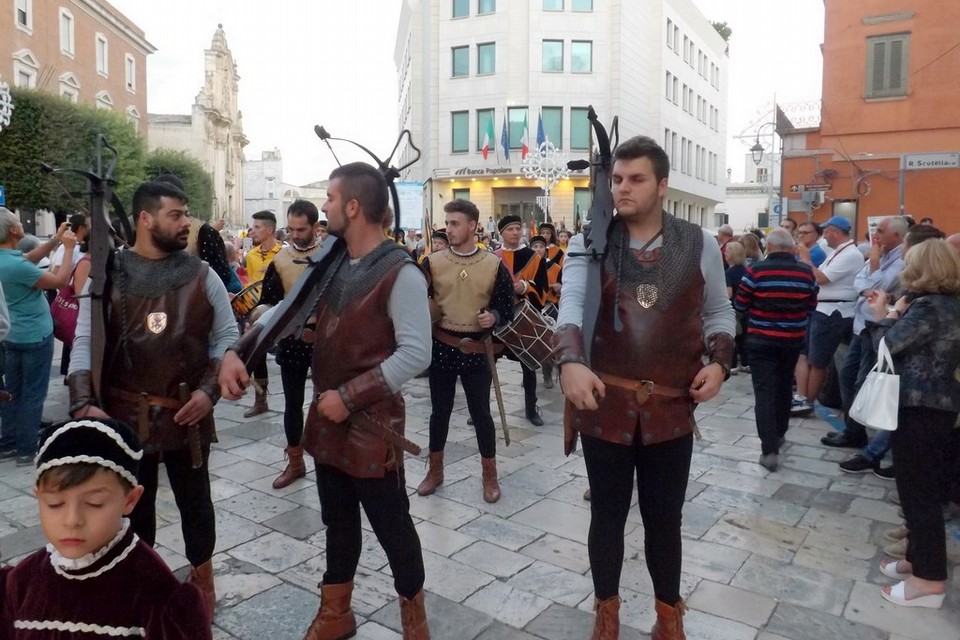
[[293, 376], [191, 490], [661, 472], [387, 507], [476, 386]]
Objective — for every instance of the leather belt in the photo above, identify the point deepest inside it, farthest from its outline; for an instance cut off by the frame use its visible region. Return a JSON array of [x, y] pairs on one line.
[[642, 388], [466, 346], [156, 401]]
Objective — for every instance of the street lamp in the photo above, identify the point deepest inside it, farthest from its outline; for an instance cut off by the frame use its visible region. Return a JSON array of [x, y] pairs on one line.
[[757, 152]]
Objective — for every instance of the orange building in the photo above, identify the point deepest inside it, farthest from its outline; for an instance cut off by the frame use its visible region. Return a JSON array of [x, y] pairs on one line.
[[83, 50], [889, 134]]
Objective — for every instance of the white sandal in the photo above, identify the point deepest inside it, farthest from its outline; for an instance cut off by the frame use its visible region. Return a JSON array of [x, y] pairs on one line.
[[897, 596], [889, 569]]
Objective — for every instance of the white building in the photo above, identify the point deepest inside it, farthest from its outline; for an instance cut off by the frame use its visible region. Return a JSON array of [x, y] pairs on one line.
[[747, 204], [263, 185], [213, 132], [469, 67]]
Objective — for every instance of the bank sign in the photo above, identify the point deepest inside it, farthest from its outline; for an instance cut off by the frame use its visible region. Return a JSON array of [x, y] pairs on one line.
[[919, 161]]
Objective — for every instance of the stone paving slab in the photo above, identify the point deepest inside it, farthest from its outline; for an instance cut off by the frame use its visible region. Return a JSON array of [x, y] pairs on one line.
[[787, 555]]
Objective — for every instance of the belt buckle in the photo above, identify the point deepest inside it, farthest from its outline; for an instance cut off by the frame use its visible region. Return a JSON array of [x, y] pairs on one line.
[[643, 391]]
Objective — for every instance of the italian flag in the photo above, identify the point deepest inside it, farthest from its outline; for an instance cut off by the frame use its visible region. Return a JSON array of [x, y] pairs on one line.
[[487, 139], [524, 147]]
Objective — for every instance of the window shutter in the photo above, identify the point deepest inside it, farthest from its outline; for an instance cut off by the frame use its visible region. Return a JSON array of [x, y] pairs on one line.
[[879, 58], [896, 65]]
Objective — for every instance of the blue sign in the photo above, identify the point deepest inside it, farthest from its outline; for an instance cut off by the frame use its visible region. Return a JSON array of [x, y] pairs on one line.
[[3, 196]]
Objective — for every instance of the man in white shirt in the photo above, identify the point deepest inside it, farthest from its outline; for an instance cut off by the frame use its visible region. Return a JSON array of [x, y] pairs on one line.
[[834, 314], [80, 228]]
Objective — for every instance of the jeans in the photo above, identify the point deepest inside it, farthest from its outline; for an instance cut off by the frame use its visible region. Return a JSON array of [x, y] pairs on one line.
[[27, 374], [877, 447], [772, 376], [860, 358]]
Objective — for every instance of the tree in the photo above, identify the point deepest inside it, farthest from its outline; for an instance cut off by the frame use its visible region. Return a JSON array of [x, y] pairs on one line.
[[196, 180], [724, 30], [46, 128]]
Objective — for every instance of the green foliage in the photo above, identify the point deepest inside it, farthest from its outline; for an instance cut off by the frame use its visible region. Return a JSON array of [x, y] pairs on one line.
[[195, 179], [47, 128], [723, 29]]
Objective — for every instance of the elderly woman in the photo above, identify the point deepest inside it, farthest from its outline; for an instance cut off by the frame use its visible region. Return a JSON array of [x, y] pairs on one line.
[[29, 345], [923, 336]]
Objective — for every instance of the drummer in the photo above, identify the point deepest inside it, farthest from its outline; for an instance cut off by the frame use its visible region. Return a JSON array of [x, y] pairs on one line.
[[261, 255], [470, 292], [530, 284]]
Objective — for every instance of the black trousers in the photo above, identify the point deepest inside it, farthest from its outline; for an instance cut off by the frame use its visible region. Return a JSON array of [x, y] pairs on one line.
[[191, 490], [661, 472], [772, 375], [387, 507], [293, 376], [476, 386], [921, 447], [529, 388]]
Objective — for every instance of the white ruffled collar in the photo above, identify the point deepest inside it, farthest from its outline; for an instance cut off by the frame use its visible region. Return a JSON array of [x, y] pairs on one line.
[[79, 564]]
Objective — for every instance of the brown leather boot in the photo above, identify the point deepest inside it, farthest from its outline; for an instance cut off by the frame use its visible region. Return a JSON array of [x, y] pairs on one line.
[[669, 624], [413, 617], [260, 399], [606, 624], [335, 619], [434, 477], [295, 468], [202, 578], [491, 488]]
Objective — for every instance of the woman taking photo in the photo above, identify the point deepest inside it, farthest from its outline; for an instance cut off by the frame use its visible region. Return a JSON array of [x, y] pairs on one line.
[[923, 335]]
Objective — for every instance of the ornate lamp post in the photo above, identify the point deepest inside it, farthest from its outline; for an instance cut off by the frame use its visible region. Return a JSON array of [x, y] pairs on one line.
[[6, 105], [547, 165], [757, 152]]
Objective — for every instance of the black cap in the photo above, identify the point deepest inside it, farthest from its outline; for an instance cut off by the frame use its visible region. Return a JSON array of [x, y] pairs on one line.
[[108, 443], [440, 235], [506, 221], [539, 239], [548, 225]]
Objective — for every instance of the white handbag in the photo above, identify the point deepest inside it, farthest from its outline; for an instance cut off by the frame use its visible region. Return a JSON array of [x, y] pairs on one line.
[[878, 400]]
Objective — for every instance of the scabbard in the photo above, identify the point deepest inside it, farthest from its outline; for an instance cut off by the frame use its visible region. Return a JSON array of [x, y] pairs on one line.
[[366, 422], [495, 377], [569, 432], [193, 430]]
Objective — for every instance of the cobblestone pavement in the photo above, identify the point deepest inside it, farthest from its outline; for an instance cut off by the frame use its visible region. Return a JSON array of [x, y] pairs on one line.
[[767, 556]]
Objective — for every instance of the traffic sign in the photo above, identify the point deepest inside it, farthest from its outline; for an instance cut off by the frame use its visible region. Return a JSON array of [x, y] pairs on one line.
[[800, 188], [3, 196], [918, 161]]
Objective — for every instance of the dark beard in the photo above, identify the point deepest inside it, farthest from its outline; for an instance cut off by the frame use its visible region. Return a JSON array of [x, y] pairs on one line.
[[168, 244]]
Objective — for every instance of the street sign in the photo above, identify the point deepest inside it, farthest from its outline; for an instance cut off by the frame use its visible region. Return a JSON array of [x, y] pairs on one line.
[[800, 188], [919, 161], [3, 196]]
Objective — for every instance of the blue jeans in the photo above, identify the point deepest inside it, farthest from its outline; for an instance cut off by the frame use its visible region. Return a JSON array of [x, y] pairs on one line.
[[27, 374], [878, 446], [861, 356]]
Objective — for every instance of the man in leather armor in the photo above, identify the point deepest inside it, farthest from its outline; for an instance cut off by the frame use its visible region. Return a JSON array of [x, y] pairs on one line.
[[168, 322], [471, 291], [663, 306], [293, 352], [373, 334]]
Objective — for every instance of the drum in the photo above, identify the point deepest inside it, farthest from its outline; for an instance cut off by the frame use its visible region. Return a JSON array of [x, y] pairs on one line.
[[529, 335], [244, 302]]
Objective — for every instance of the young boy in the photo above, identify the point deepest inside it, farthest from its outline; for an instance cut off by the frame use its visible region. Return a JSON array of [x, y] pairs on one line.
[[96, 577]]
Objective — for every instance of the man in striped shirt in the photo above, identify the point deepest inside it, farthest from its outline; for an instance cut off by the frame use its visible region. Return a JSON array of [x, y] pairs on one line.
[[777, 295]]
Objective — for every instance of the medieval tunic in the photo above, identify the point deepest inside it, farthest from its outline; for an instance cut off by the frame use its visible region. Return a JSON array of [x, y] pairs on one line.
[[523, 263], [282, 274], [124, 590]]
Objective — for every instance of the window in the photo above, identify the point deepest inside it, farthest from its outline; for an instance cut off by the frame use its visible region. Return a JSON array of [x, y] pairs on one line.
[[69, 87], [582, 199], [887, 64], [66, 33], [101, 48], [666, 141], [676, 38], [461, 131], [683, 156], [686, 99], [669, 33], [25, 69], [686, 49], [676, 89], [669, 86], [553, 5], [486, 6], [553, 55], [486, 58], [130, 71], [485, 124], [553, 125], [673, 150], [461, 8], [517, 122], [579, 128], [104, 101], [581, 5], [581, 56], [133, 116], [23, 12], [460, 194], [461, 62]]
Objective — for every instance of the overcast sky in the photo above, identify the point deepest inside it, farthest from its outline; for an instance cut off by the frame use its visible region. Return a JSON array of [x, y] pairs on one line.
[[330, 62]]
